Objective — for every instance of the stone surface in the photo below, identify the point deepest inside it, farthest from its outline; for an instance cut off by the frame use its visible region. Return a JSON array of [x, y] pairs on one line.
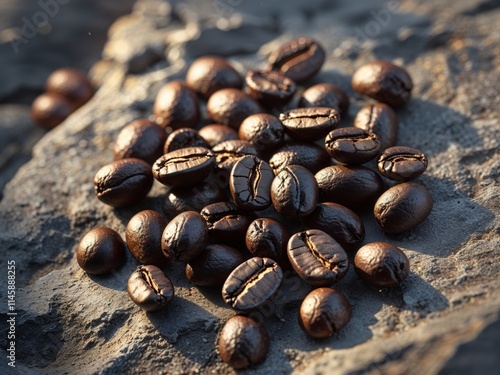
[[437, 321]]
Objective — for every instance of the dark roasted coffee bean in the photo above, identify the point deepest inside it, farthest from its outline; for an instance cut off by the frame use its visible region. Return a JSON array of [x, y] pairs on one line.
[[49, 110], [72, 84], [141, 139], [352, 145], [351, 186], [123, 182], [231, 106], [243, 342], [323, 312], [184, 167], [143, 236], [268, 238], [208, 74], [149, 288], [229, 152], [185, 237], [270, 88], [252, 283], [310, 124], [299, 59], [309, 155], [325, 95], [381, 264], [294, 192], [381, 120], [250, 183], [339, 222], [264, 131], [176, 106], [384, 82], [213, 265], [402, 163], [317, 257], [182, 138], [100, 251], [403, 207], [226, 222], [214, 134]]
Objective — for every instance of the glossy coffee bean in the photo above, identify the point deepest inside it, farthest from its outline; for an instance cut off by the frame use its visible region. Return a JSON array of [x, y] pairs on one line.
[[310, 124], [214, 134], [182, 138], [403, 207], [141, 139], [150, 289], [184, 167], [176, 106], [317, 258], [352, 145], [229, 152], [209, 74], [243, 342], [143, 236], [381, 264], [226, 222], [401, 163], [123, 182], [294, 192], [384, 82], [381, 120], [100, 251], [325, 95], [250, 183], [268, 238], [252, 283], [324, 312], [213, 265], [185, 237], [73, 84], [338, 221], [231, 106], [309, 155], [300, 59], [270, 88], [49, 110], [264, 131], [351, 186]]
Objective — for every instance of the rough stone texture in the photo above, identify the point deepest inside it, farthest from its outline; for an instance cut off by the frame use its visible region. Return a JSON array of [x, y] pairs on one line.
[[436, 322]]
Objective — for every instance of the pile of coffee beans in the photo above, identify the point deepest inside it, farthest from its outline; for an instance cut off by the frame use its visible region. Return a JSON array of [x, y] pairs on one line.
[[264, 188]]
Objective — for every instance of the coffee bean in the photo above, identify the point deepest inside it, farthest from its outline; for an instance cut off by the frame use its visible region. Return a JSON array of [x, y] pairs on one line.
[[231, 106], [226, 222], [72, 84], [149, 288], [270, 88], [381, 264], [384, 82], [243, 342], [351, 186], [268, 238], [294, 192], [229, 152], [323, 312], [123, 182], [381, 120], [309, 155], [184, 167], [213, 265], [185, 237], [250, 183], [252, 283], [182, 138], [143, 236], [264, 131], [214, 134], [352, 145], [300, 59], [49, 110], [325, 95], [402, 163], [317, 258], [176, 106], [141, 139], [310, 124], [100, 251], [208, 74], [403, 207]]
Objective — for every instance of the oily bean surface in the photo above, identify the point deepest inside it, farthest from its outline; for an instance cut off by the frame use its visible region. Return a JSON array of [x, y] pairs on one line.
[[226, 222], [49, 110], [176, 106], [270, 88], [311, 123], [227, 153], [231, 106], [264, 131], [309, 155], [325, 95], [182, 138], [73, 84], [401, 163], [268, 238], [149, 288], [352, 145], [379, 119], [214, 134]]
